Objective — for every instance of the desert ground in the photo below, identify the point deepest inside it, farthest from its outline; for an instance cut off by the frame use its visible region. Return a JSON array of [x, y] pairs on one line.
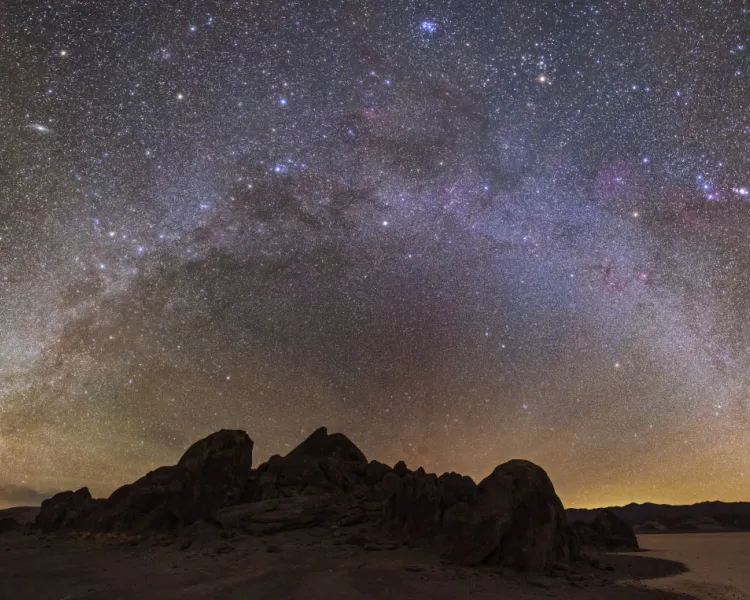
[[316, 564], [718, 564]]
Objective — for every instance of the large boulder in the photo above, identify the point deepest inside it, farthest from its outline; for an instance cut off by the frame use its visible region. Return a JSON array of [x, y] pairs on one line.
[[66, 510], [401, 469], [213, 473], [458, 497], [606, 532], [226, 455], [9, 524], [512, 518], [518, 521], [322, 464], [613, 533]]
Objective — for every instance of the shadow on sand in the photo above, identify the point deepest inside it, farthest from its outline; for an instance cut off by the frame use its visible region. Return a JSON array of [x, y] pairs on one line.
[[641, 566], [635, 571]]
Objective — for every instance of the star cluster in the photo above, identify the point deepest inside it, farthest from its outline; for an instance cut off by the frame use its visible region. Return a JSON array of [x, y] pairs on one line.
[[459, 233]]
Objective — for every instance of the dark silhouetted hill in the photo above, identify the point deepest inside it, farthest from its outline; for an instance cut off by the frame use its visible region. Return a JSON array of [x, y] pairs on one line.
[[665, 518]]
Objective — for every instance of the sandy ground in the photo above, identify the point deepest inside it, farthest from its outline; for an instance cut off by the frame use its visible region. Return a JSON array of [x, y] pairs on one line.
[[309, 565], [718, 564]]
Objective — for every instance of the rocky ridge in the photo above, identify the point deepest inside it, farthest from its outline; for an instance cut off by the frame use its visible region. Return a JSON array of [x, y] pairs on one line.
[[512, 518], [665, 518]]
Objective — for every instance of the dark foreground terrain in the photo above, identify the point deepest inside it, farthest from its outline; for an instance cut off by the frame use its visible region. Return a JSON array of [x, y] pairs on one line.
[[317, 563]]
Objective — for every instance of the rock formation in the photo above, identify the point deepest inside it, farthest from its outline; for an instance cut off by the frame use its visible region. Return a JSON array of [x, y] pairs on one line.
[[616, 532], [8, 524], [66, 510], [512, 518], [519, 521], [650, 527], [321, 464], [608, 532], [211, 474]]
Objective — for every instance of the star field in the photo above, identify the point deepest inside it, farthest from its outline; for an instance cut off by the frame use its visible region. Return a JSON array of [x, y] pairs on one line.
[[457, 232]]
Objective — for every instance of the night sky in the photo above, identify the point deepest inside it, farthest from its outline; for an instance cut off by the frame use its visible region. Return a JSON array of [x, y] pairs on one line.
[[459, 232]]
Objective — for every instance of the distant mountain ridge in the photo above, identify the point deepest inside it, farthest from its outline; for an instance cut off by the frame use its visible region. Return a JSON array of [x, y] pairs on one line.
[[663, 518]]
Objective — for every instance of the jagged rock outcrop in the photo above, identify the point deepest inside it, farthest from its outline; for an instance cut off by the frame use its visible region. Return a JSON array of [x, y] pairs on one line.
[[414, 506], [211, 474], [512, 518], [426, 507], [321, 445], [66, 510], [322, 464]]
